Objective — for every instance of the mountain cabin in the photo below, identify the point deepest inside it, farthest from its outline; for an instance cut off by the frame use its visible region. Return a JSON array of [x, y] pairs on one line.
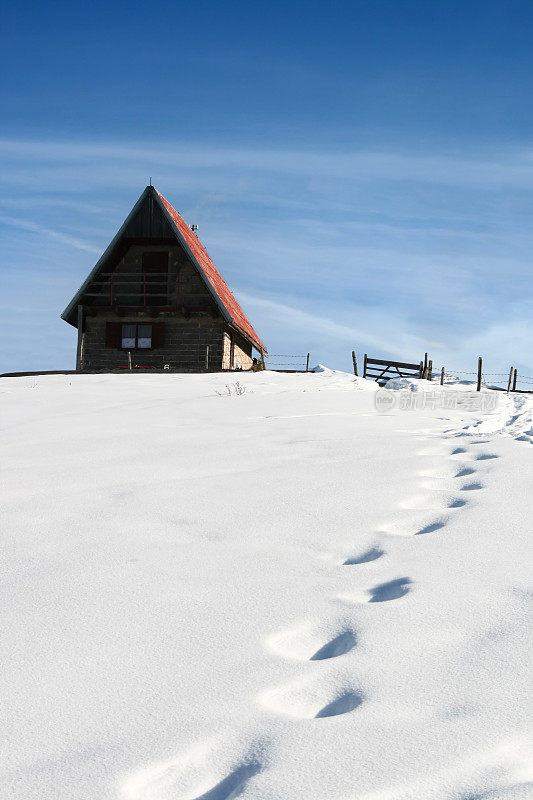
[[155, 300]]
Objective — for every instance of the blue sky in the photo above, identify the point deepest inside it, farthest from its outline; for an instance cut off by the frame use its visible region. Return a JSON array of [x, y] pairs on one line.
[[360, 172]]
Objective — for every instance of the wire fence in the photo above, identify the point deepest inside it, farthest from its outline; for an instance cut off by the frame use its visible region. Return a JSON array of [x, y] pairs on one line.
[[298, 363], [489, 379], [504, 381]]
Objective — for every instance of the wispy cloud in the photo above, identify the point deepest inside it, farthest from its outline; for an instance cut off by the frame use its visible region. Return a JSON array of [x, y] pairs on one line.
[[43, 231], [394, 252], [513, 167], [393, 337]]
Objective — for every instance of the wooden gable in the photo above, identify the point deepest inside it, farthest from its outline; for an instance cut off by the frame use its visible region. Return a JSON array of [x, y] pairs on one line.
[[154, 222]]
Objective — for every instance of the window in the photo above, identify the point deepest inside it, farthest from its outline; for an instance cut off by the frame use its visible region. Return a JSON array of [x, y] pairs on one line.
[[133, 336], [144, 337], [136, 337]]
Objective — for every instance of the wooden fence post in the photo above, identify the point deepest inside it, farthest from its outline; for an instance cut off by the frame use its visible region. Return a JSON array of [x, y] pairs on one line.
[[430, 370], [510, 380], [354, 359], [442, 377], [307, 364], [421, 370], [514, 379], [479, 373], [364, 366]]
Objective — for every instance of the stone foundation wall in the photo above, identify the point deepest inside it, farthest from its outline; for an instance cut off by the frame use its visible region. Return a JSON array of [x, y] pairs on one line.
[[237, 352]]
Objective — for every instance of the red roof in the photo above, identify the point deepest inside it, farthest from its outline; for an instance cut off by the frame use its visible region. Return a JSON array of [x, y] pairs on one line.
[[238, 317]]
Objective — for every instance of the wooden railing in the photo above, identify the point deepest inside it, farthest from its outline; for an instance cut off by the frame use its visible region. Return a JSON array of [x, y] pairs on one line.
[[144, 288]]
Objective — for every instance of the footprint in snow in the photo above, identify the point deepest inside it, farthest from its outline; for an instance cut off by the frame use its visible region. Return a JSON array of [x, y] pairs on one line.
[[372, 554], [312, 699], [204, 772], [445, 470], [485, 456], [337, 646], [308, 643], [514, 791], [431, 528], [233, 784], [435, 500], [414, 525], [381, 593], [457, 503], [464, 472], [391, 590], [341, 705]]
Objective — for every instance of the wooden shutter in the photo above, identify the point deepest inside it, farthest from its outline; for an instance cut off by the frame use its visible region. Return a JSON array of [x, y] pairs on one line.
[[112, 334], [158, 334]]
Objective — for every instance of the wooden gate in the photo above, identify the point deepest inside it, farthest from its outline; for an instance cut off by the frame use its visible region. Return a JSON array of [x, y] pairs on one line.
[[382, 371]]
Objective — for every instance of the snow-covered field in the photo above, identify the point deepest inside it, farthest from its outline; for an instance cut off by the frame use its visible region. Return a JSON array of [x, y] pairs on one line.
[[282, 594]]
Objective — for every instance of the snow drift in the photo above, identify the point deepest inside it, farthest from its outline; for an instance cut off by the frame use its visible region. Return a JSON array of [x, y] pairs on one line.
[[271, 593]]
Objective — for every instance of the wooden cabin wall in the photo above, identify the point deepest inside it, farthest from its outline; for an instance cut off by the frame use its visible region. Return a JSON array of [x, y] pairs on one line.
[[191, 320], [184, 342], [184, 284]]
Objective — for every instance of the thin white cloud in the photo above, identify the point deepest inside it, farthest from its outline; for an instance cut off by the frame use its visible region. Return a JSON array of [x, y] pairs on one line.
[[42, 230], [495, 170], [499, 343], [396, 252], [395, 337]]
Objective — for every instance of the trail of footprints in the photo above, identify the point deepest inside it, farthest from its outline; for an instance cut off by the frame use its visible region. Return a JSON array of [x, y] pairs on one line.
[[445, 489]]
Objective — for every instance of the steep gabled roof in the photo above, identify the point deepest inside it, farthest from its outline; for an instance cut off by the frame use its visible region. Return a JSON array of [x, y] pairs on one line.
[[226, 302], [203, 262]]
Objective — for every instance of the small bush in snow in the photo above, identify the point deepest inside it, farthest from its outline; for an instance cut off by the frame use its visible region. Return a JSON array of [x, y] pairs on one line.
[[235, 388]]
